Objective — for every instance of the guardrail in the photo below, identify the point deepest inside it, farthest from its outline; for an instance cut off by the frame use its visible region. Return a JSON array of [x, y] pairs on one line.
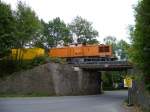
[[104, 62]]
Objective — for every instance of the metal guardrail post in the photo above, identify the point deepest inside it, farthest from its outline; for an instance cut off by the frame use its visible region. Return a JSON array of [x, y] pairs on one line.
[[130, 103]]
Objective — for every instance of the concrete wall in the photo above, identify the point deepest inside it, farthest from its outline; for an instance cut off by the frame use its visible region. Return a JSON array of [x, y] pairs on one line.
[[52, 79]]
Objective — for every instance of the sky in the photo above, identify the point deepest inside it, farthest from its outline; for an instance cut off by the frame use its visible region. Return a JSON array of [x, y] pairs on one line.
[[109, 17]]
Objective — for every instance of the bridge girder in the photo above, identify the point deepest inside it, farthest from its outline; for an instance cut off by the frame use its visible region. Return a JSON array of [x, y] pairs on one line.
[[105, 66]]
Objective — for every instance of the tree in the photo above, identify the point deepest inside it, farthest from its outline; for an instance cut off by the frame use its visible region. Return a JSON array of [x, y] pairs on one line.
[[56, 31], [109, 40], [40, 37], [122, 49], [28, 25], [141, 39], [83, 30], [119, 47], [7, 29]]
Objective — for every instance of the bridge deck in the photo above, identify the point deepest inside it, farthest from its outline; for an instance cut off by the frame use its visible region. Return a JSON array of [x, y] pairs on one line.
[[105, 65]]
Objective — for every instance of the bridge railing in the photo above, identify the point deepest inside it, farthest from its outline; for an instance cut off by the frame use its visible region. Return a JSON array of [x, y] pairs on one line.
[[104, 62]]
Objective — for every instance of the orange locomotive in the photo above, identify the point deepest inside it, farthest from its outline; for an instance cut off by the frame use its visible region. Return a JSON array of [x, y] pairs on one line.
[[83, 53]]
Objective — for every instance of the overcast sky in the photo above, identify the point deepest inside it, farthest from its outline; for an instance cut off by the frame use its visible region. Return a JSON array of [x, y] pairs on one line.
[[109, 17]]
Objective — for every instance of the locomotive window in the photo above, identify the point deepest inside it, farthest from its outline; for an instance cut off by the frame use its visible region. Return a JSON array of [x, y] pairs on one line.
[[107, 49], [104, 49]]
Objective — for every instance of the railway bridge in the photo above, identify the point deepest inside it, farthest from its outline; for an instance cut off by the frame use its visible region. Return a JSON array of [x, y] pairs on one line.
[[91, 72]]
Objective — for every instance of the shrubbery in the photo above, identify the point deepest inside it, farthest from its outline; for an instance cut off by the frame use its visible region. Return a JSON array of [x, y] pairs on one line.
[[9, 66], [140, 36]]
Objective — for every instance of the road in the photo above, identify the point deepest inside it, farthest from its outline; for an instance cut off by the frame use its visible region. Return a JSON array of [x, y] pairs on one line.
[[110, 101]]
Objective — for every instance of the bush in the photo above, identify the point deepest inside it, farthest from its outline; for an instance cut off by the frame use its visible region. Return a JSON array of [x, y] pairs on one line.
[[9, 66], [40, 60], [58, 60]]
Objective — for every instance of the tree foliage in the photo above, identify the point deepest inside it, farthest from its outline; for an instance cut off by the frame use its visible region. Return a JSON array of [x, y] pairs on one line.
[[7, 29], [119, 47], [28, 25], [141, 39], [56, 31], [122, 49], [18, 29], [83, 30], [40, 39]]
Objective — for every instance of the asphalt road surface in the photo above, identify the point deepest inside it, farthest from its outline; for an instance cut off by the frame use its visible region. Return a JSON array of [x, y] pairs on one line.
[[110, 101]]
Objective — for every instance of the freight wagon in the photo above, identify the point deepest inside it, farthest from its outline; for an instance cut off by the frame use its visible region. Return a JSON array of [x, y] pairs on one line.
[[83, 53], [27, 53]]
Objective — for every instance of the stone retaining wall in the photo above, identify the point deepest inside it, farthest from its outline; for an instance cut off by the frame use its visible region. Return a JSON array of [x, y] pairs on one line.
[[52, 79]]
